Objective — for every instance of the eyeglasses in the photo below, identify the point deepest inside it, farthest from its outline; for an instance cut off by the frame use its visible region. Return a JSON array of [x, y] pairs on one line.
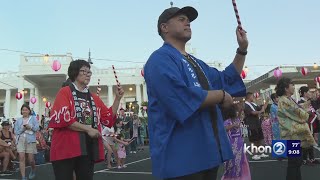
[[84, 72]]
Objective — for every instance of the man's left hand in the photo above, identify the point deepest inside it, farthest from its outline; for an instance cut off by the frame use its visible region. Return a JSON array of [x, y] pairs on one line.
[[242, 39]]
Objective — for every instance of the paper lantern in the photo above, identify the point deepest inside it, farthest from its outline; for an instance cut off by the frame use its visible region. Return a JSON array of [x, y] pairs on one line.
[[48, 104], [256, 95], [315, 66], [317, 79], [243, 74], [246, 69], [277, 73], [144, 107], [304, 71], [56, 65], [18, 95], [33, 100]]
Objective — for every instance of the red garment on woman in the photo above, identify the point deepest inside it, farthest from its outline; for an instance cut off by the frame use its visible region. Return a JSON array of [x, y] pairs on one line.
[[65, 142]]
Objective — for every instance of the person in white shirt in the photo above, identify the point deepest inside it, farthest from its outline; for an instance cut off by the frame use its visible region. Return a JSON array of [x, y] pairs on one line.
[[108, 141]]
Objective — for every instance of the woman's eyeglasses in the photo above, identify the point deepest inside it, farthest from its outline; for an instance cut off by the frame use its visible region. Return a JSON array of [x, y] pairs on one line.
[[84, 72]]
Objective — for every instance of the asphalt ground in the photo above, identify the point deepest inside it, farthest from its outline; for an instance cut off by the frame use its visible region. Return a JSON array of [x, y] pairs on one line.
[[139, 168]]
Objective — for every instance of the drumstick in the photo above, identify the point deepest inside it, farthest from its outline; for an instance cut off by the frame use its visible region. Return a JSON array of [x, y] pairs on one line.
[[237, 13], [115, 75], [110, 135]]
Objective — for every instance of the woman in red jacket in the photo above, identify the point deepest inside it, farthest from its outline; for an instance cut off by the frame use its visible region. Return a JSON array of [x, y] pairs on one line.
[[76, 117]]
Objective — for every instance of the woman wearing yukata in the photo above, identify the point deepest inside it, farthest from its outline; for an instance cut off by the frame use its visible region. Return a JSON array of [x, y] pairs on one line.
[[293, 123], [76, 118], [237, 168]]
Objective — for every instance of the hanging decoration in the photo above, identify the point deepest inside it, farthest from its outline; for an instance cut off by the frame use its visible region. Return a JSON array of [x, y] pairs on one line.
[[48, 104], [246, 69], [18, 95], [33, 100], [277, 73], [304, 71], [317, 79], [56, 65], [243, 74], [256, 95], [315, 66]]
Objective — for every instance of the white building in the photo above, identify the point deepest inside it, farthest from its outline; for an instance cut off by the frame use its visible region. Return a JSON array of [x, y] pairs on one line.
[[36, 78], [265, 84]]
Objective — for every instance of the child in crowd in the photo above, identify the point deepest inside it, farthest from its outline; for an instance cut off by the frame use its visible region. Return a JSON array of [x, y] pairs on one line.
[[121, 149]]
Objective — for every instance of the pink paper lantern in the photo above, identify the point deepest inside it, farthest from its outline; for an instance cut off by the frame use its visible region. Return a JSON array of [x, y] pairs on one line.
[[317, 79], [277, 73], [304, 71], [33, 100], [144, 107], [48, 104], [18, 95], [243, 74], [256, 95], [56, 65]]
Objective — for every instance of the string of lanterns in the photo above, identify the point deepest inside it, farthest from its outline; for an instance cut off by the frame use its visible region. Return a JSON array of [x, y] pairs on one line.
[[33, 100], [277, 73]]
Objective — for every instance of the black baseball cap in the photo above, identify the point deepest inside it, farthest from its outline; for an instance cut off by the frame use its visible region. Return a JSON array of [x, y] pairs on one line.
[[169, 13]]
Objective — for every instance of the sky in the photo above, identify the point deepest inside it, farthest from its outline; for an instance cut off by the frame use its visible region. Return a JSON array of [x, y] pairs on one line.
[[279, 32]]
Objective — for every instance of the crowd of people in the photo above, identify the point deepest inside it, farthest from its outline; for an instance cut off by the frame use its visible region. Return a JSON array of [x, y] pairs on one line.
[[187, 100], [72, 139], [282, 119], [21, 142]]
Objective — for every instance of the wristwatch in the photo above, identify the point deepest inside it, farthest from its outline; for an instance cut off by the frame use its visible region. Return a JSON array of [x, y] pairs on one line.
[[242, 52]]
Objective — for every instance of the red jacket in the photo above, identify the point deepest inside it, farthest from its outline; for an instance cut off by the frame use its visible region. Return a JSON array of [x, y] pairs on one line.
[[65, 142]]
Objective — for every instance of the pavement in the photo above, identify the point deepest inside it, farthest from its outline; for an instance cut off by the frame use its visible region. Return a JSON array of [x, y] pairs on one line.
[[139, 168]]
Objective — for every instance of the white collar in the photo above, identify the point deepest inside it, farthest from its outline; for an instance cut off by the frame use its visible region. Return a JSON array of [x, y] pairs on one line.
[[250, 105], [85, 90]]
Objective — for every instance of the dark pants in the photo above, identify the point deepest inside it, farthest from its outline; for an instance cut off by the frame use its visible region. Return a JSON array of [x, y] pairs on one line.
[[210, 174], [307, 152], [133, 145], [293, 169], [82, 166]]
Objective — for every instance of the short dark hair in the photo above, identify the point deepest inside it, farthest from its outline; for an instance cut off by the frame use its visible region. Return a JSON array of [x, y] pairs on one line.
[[248, 94], [26, 106], [273, 96], [303, 90], [282, 84], [74, 68]]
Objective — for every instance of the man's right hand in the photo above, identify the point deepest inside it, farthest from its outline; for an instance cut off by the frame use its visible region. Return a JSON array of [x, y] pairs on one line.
[[228, 101]]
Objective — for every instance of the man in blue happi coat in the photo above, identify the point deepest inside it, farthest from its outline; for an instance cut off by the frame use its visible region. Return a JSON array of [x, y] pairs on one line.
[[187, 137]]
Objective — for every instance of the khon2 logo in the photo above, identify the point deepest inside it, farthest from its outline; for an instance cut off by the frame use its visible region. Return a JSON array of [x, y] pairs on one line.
[[279, 148]]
